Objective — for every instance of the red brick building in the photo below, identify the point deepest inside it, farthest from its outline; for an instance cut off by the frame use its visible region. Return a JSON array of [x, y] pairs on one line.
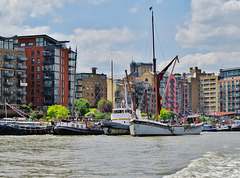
[[50, 71]]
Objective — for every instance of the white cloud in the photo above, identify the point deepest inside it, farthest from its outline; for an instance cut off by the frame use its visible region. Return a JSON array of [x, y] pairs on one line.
[[98, 47], [159, 1], [96, 2], [14, 12], [213, 25], [209, 62], [134, 9]]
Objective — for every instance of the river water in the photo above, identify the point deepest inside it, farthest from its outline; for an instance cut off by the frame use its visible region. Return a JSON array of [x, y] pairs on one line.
[[205, 155]]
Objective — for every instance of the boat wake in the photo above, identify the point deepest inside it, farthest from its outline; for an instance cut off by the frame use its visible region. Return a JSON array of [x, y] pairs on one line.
[[212, 164]]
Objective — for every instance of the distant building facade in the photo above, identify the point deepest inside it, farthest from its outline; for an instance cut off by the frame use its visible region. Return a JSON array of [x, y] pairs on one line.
[[229, 90], [13, 72], [91, 86]]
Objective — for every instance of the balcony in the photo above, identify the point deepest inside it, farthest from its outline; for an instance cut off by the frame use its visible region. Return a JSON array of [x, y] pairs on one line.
[[21, 93], [7, 92], [22, 76], [22, 84], [9, 83], [22, 67], [47, 61], [47, 85], [47, 78], [47, 93], [21, 102], [47, 53], [47, 70], [7, 57], [22, 59], [10, 66], [8, 74]]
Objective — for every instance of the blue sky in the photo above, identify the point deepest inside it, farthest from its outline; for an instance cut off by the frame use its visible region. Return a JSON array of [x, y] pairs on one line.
[[204, 33]]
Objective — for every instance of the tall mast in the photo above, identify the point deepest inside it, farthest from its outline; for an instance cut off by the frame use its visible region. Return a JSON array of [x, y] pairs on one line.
[[74, 80], [184, 104], [112, 81], [154, 70]]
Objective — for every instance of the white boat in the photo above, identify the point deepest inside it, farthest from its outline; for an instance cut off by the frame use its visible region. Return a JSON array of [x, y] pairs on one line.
[[120, 121], [145, 127], [140, 127], [235, 125]]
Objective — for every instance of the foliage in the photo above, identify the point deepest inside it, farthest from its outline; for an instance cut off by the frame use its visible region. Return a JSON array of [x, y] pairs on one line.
[[164, 114], [104, 106], [82, 106], [30, 111], [177, 74], [143, 114], [211, 119], [106, 115], [92, 112], [57, 111]]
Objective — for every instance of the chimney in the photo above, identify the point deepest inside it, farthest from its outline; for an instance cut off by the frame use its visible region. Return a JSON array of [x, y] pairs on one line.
[[94, 70]]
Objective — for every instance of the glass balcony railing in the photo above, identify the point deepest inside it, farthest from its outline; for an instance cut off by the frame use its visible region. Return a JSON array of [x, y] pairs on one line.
[[22, 59], [7, 57]]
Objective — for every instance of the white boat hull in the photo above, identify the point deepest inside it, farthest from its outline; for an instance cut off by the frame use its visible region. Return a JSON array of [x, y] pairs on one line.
[[152, 128]]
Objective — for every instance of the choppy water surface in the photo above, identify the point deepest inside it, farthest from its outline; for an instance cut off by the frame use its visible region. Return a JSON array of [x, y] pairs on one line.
[[205, 155]]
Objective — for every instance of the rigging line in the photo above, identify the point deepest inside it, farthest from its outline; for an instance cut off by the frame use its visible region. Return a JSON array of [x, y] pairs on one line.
[[160, 44]]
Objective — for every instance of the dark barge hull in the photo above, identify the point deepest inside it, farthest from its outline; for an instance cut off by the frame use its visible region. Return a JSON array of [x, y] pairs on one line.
[[7, 130], [63, 130]]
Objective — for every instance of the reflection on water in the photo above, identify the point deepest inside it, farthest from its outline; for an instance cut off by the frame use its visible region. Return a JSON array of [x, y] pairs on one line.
[[94, 156]]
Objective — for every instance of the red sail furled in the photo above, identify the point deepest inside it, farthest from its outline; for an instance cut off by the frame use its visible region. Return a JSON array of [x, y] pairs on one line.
[[159, 78]]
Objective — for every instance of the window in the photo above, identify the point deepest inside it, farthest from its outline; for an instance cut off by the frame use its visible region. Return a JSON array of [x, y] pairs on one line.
[[62, 84], [32, 76], [32, 84], [32, 53], [38, 76], [38, 60], [32, 69], [32, 60], [37, 100], [63, 61], [38, 83], [32, 99], [38, 68], [87, 82], [37, 91], [38, 53], [92, 82], [32, 92], [91, 88], [91, 76], [87, 88], [0, 53]]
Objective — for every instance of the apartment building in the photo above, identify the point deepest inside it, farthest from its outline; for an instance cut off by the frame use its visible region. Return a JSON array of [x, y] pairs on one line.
[[91, 86], [12, 72], [50, 71], [229, 90], [208, 94]]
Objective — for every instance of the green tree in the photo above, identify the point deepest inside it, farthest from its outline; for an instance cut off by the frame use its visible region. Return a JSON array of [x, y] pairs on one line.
[[164, 114], [57, 111], [106, 115], [82, 106], [104, 105], [92, 112]]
